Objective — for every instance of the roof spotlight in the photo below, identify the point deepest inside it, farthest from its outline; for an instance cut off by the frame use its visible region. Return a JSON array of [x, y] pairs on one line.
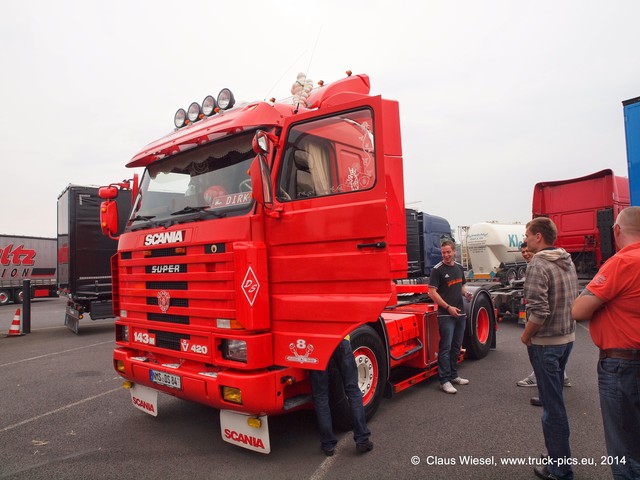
[[193, 114], [226, 99], [209, 105], [180, 118]]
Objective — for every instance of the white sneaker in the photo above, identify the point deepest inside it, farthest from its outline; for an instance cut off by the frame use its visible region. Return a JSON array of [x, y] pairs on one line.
[[448, 388], [460, 381], [529, 381]]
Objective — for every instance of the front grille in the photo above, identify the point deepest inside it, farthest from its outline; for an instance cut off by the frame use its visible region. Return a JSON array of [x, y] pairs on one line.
[[194, 288], [125, 255], [163, 252], [167, 286], [169, 340], [165, 317]]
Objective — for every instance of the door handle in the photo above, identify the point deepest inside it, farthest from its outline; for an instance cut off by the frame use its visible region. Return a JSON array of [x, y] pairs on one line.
[[373, 245]]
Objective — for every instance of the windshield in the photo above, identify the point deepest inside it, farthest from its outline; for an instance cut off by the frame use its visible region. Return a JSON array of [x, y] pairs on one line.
[[207, 182]]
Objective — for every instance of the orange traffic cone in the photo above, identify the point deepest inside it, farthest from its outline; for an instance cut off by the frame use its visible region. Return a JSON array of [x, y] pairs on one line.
[[14, 331]]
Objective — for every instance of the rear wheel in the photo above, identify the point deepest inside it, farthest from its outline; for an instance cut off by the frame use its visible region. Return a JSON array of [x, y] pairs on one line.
[[4, 297], [18, 296], [480, 328], [371, 361]]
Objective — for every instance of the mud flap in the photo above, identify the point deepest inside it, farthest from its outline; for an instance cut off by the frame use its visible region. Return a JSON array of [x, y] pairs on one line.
[[71, 321], [145, 399], [236, 430]]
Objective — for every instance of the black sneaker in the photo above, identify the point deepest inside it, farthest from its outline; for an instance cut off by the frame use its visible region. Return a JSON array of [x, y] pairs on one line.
[[364, 447], [328, 451], [543, 472]]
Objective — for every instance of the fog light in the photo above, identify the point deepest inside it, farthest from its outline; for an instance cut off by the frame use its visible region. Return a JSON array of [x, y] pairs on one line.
[[231, 394], [120, 366], [127, 384]]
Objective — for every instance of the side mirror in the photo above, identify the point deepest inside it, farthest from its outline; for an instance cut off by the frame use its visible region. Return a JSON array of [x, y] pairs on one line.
[[262, 142], [134, 188], [108, 193], [109, 217], [109, 208], [261, 181]]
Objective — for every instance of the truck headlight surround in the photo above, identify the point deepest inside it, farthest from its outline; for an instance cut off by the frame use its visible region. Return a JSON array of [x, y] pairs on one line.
[[235, 350]]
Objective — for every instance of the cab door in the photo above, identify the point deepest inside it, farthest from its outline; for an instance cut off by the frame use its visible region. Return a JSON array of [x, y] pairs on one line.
[[330, 267]]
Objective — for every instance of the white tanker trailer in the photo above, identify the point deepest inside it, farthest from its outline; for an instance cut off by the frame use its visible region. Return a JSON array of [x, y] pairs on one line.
[[497, 264], [494, 252]]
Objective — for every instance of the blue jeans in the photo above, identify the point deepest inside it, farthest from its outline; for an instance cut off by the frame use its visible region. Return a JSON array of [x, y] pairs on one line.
[[451, 336], [343, 357], [549, 362], [619, 385]]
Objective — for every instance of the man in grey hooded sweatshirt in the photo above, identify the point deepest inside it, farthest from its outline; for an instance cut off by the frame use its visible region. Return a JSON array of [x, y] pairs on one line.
[[550, 287]]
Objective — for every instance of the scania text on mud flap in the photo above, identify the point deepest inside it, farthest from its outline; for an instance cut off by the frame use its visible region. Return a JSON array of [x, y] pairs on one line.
[[261, 234]]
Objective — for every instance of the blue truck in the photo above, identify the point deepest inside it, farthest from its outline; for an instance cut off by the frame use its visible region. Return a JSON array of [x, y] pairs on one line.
[[632, 132]]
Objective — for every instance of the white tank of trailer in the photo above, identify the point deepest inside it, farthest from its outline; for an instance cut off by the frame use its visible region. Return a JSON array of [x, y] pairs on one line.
[[491, 244]]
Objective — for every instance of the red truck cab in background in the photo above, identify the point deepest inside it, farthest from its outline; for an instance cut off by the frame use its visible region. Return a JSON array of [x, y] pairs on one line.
[[584, 210], [261, 236]]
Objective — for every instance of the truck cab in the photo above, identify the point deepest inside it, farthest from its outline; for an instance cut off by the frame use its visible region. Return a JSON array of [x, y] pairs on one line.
[[261, 236]]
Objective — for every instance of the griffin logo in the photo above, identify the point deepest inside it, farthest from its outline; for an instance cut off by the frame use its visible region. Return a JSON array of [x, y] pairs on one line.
[[164, 300]]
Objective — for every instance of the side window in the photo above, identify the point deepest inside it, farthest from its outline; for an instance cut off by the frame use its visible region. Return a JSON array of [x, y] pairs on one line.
[[328, 156]]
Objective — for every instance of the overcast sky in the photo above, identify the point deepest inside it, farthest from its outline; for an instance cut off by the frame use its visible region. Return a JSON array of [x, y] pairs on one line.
[[495, 96]]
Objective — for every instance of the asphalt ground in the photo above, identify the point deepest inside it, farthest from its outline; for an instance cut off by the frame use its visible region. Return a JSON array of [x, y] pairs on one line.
[[64, 415]]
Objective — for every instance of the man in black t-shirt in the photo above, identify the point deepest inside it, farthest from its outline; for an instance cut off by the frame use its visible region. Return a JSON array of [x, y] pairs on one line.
[[446, 288]]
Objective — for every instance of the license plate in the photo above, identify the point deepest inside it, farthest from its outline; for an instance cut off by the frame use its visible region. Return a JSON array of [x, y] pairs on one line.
[[167, 379]]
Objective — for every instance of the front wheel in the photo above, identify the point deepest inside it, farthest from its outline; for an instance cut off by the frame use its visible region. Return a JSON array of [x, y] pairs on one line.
[[4, 297], [480, 327], [371, 362]]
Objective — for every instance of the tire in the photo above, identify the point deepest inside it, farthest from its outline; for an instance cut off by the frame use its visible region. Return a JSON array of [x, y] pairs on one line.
[[4, 297], [510, 276], [480, 327], [18, 296], [522, 272], [371, 361]]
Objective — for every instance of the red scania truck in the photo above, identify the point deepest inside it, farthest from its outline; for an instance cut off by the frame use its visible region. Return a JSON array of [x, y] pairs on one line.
[[261, 234]]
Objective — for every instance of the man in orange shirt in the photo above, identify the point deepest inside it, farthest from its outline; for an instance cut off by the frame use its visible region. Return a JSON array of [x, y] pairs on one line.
[[612, 302]]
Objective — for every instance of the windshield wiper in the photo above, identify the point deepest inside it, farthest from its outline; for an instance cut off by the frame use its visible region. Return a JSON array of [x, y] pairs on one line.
[[189, 209], [137, 218]]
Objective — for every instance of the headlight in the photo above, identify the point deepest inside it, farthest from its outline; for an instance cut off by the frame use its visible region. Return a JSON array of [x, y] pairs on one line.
[[122, 333], [193, 114], [234, 350], [208, 105], [226, 99], [180, 118]]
